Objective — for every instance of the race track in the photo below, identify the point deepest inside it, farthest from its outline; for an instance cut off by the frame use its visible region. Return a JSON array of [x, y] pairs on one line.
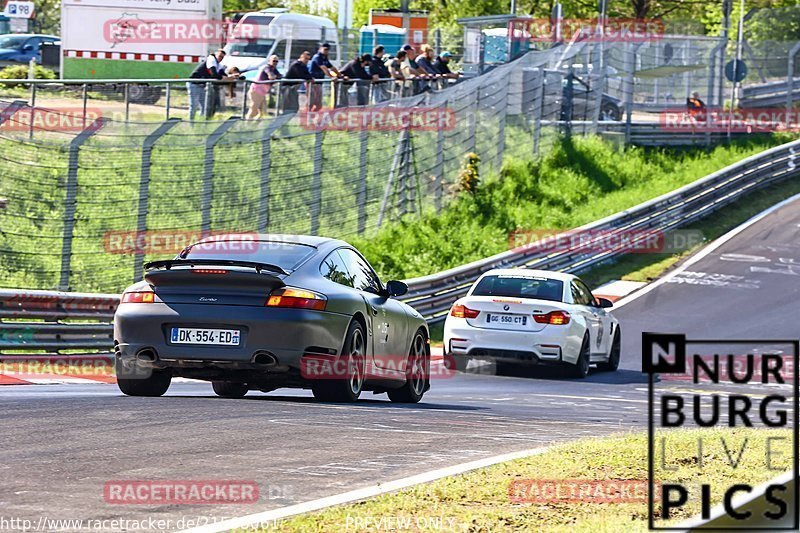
[[63, 443]]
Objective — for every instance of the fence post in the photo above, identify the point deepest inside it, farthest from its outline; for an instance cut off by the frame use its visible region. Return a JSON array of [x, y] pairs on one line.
[[392, 172], [473, 121], [439, 176], [144, 192], [70, 202], [169, 99], [501, 125], [437, 41], [362, 181], [537, 115], [316, 182], [266, 167], [208, 172], [790, 81]]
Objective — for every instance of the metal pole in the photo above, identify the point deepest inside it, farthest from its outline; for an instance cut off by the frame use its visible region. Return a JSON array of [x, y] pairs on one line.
[[209, 87], [316, 182], [244, 100], [70, 203], [144, 192], [437, 40], [33, 109], [85, 97], [439, 174], [127, 103], [736, 83], [169, 98], [790, 82], [208, 173], [266, 168], [362, 181]]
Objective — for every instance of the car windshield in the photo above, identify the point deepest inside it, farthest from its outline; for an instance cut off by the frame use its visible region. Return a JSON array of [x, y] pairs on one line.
[[12, 41], [250, 48], [520, 287], [287, 255]]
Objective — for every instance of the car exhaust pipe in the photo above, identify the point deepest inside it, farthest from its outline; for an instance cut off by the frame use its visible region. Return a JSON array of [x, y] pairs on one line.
[[146, 356], [265, 359]]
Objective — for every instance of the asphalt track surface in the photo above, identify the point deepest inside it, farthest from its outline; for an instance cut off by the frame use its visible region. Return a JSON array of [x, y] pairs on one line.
[[63, 443]]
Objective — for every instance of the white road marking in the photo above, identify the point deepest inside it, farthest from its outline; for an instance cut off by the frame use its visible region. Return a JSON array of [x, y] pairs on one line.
[[371, 491]]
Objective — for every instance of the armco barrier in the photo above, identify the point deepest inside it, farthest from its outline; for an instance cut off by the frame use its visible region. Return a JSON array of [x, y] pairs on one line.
[[48, 321]]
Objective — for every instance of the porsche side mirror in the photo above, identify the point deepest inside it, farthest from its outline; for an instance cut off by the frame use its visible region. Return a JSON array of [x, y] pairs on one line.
[[396, 288]]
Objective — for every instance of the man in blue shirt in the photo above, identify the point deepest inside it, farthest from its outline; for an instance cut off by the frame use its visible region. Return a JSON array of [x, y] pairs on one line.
[[319, 68]]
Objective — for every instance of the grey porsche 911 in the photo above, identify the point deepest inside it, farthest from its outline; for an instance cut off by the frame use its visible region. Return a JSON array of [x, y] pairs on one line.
[[260, 312]]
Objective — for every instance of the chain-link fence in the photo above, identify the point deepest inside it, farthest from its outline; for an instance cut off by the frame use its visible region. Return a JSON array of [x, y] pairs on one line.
[[85, 202]]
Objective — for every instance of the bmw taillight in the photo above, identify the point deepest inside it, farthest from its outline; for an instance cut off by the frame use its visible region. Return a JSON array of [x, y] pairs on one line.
[[297, 298], [462, 311], [139, 297], [554, 318]]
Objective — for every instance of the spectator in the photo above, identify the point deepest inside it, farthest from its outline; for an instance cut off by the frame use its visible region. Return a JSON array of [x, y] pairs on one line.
[[319, 68], [696, 107], [260, 91], [298, 70], [399, 72], [357, 70], [425, 60], [209, 69], [378, 71], [441, 64], [415, 72]]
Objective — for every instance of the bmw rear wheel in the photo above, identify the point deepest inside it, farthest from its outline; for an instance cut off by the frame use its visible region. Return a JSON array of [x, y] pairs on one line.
[[352, 363], [417, 373], [581, 367], [229, 389], [613, 356]]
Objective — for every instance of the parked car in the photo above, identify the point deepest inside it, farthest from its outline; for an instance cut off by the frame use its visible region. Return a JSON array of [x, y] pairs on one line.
[[261, 312], [535, 317], [22, 47]]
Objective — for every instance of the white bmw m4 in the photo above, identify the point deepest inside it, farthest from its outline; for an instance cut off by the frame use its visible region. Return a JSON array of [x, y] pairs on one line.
[[533, 316]]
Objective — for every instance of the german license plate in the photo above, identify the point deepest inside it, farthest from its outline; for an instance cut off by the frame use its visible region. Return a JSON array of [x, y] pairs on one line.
[[209, 337], [503, 319]]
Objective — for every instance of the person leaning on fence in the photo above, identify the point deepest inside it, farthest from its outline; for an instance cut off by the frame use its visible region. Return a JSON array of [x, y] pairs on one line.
[[297, 71], [441, 64], [260, 90], [695, 107], [357, 70], [378, 71], [395, 67], [412, 71], [208, 69], [320, 67], [425, 63]]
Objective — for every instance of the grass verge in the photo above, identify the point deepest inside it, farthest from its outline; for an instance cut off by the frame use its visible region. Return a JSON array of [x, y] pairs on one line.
[[481, 500]]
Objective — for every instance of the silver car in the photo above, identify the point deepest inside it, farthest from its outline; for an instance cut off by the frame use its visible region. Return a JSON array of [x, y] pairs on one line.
[[259, 312]]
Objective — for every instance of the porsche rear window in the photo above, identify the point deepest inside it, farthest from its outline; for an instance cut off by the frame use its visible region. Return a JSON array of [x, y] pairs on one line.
[[520, 287], [287, 255]]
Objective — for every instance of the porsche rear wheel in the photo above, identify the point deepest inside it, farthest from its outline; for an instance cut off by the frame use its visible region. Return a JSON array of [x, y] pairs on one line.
[[346, 388]]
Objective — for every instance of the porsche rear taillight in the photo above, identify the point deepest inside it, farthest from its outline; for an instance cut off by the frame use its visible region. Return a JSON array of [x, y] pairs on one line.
[[297, 298], [462, 311], [139, 297], [554, 318]]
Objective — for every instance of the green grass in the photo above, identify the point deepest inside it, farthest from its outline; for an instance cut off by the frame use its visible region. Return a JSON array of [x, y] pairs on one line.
[[479, 500], [576, 182]]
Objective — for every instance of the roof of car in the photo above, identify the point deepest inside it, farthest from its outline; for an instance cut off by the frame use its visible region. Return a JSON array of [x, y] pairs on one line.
[[528, 272]]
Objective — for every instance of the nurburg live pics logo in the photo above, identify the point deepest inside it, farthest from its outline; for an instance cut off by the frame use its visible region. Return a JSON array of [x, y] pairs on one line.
[[722, 390]]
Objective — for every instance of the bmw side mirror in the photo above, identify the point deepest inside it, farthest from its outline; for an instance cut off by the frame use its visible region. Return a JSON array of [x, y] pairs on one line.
[[396, 288], [605, 303]]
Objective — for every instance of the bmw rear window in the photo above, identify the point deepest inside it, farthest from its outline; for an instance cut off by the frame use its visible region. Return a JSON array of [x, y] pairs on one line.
[[520, 287], [287, 255]]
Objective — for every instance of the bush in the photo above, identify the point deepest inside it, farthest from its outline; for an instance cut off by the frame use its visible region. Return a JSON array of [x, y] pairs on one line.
[[20, 72]]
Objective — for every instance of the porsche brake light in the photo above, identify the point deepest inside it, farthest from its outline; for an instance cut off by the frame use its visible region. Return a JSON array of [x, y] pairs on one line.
[[554, 318], [139, 297], [297, 298], [462, 311]]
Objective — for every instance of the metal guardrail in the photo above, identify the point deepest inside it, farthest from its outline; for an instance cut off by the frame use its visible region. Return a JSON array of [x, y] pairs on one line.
[[49, 321]]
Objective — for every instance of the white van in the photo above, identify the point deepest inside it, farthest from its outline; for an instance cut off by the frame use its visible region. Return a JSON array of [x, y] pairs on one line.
[[261, 34]]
